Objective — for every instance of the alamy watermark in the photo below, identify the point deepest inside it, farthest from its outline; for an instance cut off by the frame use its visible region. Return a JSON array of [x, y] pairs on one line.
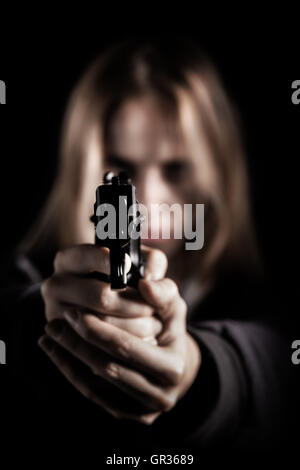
[[160, 216], [296, 354], [2, 352], [296, 93], [2, 92]]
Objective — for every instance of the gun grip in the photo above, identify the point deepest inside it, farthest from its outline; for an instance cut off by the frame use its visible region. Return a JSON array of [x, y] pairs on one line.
[[118, 277]]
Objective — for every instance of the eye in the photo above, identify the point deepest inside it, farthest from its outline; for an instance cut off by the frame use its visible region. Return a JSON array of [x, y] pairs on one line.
[[176, 170]]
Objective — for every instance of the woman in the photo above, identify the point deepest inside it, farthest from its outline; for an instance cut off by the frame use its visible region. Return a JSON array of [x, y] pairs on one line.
[[191, 352]]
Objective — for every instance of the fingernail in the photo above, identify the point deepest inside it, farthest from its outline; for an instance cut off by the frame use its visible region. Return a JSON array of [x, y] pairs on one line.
[[71, 316], [46, 344], [54, 328], [148, 277]]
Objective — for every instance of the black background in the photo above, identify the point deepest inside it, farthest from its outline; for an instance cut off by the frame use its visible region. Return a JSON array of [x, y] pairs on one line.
[[258, 65], [257, 68]]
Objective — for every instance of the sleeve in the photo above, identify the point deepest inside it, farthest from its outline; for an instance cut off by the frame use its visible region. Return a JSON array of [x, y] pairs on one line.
[[238, 396]]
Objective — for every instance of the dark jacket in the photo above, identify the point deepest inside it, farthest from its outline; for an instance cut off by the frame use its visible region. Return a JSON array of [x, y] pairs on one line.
[[238, 398]]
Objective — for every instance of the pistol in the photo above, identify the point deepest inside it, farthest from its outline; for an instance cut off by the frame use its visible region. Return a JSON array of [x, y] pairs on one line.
[[117, 209]]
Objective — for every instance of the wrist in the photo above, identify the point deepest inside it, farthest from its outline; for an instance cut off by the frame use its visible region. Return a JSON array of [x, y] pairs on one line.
[[193, 363]]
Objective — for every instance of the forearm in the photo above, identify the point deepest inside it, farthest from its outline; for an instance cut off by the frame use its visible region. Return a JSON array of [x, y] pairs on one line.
[[237, 393]]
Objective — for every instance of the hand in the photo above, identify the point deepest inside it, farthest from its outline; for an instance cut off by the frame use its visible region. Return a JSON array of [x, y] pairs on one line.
[[145, 380], [69, 287]]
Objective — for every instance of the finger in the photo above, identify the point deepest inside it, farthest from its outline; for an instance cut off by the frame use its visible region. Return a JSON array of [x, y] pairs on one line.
[[163, 364], [92, 294], [158, 293], [151, 340], [73, 372], [54, 309], [84, 259], [93, 388], [126, 379], [143, 327], [147, 327], [156, 263], [164, 296]]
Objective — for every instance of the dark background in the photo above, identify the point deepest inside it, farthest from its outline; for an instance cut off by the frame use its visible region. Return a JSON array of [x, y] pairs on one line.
[[258, 66]]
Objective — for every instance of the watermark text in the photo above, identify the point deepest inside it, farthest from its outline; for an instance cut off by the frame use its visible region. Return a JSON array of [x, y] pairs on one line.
[[2, 92], [2, 352]]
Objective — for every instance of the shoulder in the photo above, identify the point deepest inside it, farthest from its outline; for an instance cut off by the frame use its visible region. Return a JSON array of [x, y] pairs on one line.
[[236, 295]]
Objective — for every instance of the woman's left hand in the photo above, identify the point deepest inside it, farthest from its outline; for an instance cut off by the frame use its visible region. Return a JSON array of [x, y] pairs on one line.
[[153, 377]]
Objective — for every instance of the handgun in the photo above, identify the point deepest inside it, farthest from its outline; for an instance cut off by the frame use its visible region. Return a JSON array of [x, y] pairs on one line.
[[117, 196]]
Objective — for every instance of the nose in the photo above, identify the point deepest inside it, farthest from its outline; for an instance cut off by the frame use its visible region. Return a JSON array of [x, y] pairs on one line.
[[152, 188]]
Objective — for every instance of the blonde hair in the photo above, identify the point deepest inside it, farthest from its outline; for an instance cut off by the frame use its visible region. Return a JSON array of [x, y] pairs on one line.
[[187, 85]]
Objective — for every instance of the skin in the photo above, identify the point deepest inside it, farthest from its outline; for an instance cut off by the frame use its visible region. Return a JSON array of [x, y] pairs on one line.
[[127, 350]]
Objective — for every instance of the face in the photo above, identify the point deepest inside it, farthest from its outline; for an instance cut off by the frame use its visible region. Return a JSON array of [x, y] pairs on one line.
[[156, 159], [140, 142]]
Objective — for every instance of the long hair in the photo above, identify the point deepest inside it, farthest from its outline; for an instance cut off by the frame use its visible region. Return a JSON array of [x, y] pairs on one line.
[[187, 86]]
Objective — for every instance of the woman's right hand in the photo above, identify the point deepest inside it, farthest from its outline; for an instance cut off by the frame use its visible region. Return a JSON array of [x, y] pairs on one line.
[[69, 287]]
